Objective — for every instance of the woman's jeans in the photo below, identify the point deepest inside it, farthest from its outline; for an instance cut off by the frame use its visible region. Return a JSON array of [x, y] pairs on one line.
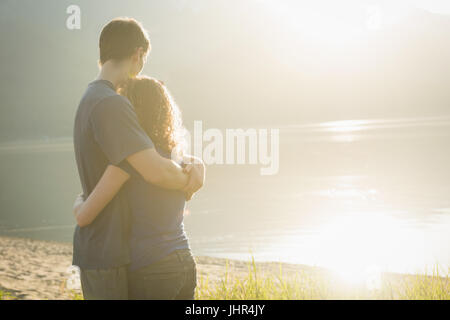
[[173, 277]]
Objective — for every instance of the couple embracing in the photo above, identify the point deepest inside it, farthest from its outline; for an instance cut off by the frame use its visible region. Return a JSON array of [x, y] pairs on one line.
[[129, 242]]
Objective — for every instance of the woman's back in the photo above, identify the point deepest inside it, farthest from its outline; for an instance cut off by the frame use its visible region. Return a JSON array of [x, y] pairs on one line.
[[156, 227]]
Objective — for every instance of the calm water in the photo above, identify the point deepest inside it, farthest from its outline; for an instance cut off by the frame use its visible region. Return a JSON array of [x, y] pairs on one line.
[[349, 195]]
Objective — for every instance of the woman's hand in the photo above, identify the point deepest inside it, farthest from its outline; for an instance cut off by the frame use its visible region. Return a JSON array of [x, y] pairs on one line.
[[196, 172], [77, 205]]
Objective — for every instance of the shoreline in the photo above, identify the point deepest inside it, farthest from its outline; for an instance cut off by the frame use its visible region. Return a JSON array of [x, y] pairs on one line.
[[37, 269]]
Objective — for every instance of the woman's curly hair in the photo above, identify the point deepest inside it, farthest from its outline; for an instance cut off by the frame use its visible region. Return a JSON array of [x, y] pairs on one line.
[[157, 113]]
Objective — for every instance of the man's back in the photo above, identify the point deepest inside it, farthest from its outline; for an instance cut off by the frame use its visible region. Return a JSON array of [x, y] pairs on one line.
[[105, 132]]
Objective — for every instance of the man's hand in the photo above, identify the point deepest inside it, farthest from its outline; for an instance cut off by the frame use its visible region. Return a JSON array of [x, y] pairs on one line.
[[77, 204], [196, 172]]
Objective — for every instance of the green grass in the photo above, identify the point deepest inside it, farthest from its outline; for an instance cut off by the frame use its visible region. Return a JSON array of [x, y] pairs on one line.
[[259, 285], [6, 296], [256, 285], [434, 287]]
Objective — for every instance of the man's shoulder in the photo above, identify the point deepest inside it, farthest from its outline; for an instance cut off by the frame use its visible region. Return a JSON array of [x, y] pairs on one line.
[[112, 101], [99, 94]]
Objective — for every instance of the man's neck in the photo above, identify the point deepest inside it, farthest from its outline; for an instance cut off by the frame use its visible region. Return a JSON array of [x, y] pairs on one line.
[[112, 73]]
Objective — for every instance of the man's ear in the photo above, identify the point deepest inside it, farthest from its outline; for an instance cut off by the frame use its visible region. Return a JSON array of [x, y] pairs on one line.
[[136, 55]]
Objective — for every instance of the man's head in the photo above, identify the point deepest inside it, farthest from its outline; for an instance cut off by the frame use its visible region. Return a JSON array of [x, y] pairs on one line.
[[124, 40]]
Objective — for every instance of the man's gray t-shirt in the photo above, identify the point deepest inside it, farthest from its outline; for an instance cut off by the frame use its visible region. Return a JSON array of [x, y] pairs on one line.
[[106, 132]]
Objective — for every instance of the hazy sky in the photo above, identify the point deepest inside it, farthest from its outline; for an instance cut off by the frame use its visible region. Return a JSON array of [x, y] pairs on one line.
[[436, 6], [234, 63]]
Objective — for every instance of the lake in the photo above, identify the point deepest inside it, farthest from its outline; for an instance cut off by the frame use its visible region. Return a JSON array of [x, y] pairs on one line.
[[349, 195]]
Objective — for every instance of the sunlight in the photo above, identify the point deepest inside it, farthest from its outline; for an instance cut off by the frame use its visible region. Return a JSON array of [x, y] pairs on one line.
[[348, 193], [332, 24], [344, 129], [369, 277], [344, 24], [435, 6], [344, 126], [337, 31], [324, 23], [357, 247]]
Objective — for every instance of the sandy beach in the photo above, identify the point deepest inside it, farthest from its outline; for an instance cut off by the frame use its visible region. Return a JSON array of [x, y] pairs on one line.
[[33, 269]]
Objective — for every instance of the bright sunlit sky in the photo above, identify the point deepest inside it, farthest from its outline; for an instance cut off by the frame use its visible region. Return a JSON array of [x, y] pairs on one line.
[[436, 6]]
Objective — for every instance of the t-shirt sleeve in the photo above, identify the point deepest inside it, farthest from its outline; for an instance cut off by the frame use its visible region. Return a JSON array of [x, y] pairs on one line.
[[116, 129]]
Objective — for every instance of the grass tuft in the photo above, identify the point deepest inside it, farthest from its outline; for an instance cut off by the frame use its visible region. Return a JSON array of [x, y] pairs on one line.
[[257, 285]]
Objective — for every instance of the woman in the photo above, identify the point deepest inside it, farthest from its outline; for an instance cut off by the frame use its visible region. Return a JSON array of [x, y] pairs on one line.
[[162, 266]]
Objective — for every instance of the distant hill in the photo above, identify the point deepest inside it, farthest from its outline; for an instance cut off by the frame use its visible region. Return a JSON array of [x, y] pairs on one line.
[[228, 63]]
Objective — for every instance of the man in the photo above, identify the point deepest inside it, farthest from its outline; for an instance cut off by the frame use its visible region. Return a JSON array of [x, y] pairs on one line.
[[106, 131]]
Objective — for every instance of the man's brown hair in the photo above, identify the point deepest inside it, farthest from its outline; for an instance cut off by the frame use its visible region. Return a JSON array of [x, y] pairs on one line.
[[120, 38]]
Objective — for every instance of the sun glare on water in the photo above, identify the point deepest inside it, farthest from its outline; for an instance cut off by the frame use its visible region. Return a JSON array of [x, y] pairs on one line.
[[358, 247], [344, 126]]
